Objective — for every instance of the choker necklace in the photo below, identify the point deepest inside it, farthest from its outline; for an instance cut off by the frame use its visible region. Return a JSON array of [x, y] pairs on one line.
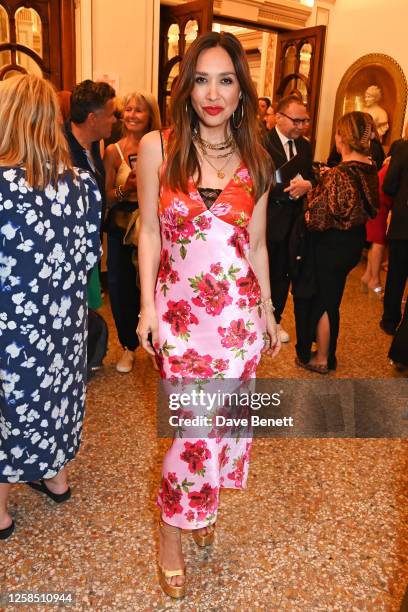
[[220, 155], [218, 146]]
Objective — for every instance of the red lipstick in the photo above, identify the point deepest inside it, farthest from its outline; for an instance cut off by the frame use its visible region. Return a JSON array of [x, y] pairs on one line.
[[213, 110]]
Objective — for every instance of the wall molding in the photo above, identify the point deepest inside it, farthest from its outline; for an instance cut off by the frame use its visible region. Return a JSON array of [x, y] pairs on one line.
[[287, 14], [83, 39]]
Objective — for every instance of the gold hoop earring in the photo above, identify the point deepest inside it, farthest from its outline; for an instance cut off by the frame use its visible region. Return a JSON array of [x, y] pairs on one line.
[[236, 125]]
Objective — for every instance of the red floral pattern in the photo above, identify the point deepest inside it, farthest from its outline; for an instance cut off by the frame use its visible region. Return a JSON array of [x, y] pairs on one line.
[[237, 337], [240, 241], [195, 454], [191, 365], [249, 287], [166, 274], [204, 500], [179, 316], [238, 474], [223, 456], [209, 327], [170, 497], [212, 294], [249, 368]]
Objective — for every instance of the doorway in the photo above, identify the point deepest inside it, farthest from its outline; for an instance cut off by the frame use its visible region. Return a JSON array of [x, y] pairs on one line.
[[281, 61], [39, 39]]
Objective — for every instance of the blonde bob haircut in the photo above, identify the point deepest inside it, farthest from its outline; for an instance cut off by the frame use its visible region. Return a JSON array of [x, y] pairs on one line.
[[147, 98], [30, 130]]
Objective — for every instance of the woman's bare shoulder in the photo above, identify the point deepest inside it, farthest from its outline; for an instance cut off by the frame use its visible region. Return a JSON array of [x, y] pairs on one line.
[[112, 155], [151, 142]]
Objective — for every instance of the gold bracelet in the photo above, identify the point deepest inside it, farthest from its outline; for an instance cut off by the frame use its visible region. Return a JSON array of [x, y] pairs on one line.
[[121, 192], [268, 304]]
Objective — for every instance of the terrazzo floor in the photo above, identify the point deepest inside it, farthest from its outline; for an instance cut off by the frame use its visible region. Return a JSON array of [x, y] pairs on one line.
[[321, 527]]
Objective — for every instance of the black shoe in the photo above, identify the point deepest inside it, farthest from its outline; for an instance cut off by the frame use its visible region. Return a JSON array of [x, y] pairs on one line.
[[388, 328], [58, 498], [332, 363], [6, 533]]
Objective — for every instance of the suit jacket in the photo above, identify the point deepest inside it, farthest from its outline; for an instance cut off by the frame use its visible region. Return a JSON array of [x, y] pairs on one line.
[[80, 160], [282, 211], [396, 185]]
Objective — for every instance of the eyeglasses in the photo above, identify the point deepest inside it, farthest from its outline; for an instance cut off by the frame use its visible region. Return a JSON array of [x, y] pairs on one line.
[[297, 122]]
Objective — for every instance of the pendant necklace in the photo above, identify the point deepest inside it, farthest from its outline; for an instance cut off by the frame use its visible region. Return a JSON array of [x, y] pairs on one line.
[[220, 171], [229, 143]]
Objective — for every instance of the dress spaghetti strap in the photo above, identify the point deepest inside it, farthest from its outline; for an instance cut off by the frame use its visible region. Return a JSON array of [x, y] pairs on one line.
[[119, 151], [161, 143]]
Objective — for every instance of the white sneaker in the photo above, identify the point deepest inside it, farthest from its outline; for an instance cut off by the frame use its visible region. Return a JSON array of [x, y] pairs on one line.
[[125, 363], [283, 335]]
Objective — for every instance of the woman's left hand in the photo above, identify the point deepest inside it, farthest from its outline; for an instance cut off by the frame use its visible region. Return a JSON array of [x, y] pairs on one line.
[[272, 334]]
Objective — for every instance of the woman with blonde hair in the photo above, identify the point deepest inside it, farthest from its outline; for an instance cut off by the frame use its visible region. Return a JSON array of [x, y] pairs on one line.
[[49, 239], [204, 274], [335, 214], [140, 115]]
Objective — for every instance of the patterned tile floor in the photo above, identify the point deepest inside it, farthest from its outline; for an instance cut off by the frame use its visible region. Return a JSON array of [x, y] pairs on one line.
[[322, 525]]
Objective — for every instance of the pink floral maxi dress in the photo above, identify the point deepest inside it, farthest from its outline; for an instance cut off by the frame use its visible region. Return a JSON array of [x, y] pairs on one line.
[[210, 326]]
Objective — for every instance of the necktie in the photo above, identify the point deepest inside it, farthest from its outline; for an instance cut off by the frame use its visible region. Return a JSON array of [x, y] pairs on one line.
[[290, 145]]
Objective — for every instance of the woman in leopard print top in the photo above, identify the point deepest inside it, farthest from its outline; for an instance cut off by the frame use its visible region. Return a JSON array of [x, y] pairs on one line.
[[335, 215]]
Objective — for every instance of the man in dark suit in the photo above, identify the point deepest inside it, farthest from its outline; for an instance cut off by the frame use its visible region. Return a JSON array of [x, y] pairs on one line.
[[396, 185], [285, 203], [91, 119]]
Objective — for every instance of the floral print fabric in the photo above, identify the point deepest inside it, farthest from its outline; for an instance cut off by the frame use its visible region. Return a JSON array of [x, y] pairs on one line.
[[48, 241], [210, 326]]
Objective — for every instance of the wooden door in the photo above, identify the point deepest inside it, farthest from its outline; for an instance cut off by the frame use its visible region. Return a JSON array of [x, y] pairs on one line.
[[38, 37], [298, 69], [179, 25]]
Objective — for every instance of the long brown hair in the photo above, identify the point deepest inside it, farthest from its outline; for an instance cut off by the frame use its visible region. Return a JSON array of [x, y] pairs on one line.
[[182, 159], [30, 130]]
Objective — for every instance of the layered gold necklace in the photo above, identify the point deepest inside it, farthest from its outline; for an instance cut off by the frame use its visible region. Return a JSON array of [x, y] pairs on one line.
[[227, 145]]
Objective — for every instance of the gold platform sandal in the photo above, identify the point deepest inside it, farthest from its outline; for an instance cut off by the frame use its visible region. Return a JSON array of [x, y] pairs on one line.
[[173, 590], [204, 540]]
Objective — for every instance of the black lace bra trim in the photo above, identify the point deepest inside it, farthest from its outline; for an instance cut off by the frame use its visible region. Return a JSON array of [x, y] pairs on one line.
[[209, 195]]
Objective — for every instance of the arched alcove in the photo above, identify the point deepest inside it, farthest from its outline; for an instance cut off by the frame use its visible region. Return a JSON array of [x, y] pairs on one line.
[[384, 72]]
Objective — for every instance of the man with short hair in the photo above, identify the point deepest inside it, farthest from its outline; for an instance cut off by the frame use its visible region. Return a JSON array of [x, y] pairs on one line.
[[285, 202], [91, 120]]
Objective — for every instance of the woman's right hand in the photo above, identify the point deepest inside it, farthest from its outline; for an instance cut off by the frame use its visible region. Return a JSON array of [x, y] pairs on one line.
[[148, 324]]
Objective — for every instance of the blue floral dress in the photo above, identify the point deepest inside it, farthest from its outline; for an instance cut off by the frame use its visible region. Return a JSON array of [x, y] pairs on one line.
[[48, 241]]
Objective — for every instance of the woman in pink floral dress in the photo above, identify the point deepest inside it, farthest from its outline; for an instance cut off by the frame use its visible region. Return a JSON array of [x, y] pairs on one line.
[[204, 272]]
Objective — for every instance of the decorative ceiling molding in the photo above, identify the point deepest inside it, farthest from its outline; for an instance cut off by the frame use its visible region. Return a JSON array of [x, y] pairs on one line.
[[290, 14], [280, 13]]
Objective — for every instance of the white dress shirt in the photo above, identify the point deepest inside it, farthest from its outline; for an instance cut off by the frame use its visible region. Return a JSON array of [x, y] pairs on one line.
[[284, 140]]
